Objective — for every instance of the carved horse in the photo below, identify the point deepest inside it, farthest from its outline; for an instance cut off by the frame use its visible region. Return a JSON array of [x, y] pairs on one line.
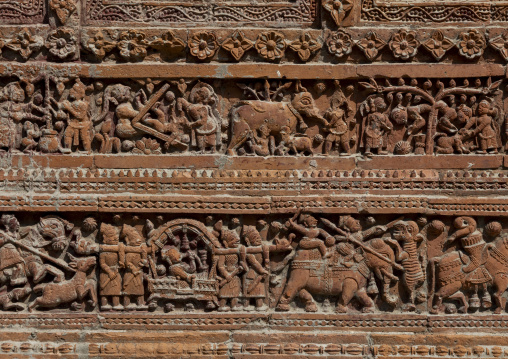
[[449, 279]]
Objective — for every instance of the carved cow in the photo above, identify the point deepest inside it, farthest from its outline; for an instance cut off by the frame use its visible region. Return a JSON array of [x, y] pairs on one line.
[[248, 116]]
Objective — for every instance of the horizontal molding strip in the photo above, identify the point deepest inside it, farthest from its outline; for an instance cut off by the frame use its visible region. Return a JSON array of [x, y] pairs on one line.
[[257, 70], [494, 206]]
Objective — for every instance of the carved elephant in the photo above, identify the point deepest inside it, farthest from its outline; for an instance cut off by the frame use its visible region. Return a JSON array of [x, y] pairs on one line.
[[308, 277], [248, 116]]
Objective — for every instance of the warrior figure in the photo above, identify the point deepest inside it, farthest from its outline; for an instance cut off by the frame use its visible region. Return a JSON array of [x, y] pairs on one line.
[[110, 279], [255, 284], [229, 267], [135, 261], [475, 248]]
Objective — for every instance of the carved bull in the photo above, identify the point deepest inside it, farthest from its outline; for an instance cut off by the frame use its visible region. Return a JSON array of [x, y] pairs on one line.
[[248, 116]]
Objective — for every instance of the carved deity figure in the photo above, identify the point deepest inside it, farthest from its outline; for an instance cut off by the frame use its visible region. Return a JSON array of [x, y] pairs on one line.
[[189, 255], [180, 270], [135, 261], [110, 278]]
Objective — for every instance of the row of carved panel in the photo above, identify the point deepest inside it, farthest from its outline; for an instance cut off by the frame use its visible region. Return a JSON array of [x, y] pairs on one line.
[[302, 12], [103, 348], [352, 45], [252, 182], [53, 114], [223, 263]]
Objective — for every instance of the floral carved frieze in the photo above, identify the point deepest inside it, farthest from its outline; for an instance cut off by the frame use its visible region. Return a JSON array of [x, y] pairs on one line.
[[282, 46]]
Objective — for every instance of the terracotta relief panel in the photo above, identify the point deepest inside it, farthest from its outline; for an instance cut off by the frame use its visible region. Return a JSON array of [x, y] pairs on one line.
[[221, 12], [22, 12], [236, 178], [303, 263], [261, 118]]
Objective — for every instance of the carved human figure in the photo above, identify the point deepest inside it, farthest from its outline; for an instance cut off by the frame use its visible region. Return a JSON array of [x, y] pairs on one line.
[[311, 234], [135, 261], [79, 126], [413, 277], [168, 121], [347, 255], [446, 143], [377, 124], [120, 96], [110, 278], [163, 114], [229, 267], [381, 269], [260, 144], [473, 244], [47, 238], [339, 127], [446, 116], [32, 133], [256, 278], [418, 122], [13, 111], [354, 228], [486, 129], [205, 119], [11, 262]]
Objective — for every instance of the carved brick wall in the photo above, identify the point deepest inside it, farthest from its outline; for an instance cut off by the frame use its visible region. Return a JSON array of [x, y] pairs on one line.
[[249, 179]]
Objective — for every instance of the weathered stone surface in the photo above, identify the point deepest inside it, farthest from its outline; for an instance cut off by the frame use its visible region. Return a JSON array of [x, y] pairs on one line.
[[250, 179]]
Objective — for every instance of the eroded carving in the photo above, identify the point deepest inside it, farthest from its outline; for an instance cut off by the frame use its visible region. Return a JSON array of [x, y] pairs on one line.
[[303, 262]]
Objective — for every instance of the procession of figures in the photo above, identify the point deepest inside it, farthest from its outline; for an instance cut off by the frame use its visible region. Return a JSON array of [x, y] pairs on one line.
[[52, 114], [309, 263]]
